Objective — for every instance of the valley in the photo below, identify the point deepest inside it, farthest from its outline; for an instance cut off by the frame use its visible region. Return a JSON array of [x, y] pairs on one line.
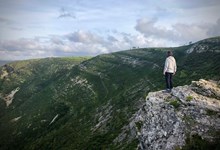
[[87, 102]]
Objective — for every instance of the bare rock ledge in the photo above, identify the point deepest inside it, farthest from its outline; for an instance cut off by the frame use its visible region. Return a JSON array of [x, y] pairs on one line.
[[167, 119]]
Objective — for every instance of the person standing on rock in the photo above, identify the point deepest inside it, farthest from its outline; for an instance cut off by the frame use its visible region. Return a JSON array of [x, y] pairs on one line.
[[169, 70]]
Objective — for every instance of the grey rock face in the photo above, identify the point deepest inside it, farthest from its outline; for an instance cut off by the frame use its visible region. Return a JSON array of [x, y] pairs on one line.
[[166, 119], [208, 45]]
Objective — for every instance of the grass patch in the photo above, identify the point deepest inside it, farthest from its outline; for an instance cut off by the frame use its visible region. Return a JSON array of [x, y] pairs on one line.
[[174, 103], [189, 98]]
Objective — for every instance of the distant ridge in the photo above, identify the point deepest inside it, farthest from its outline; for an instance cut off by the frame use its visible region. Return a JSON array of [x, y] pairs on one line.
[[3, 62]]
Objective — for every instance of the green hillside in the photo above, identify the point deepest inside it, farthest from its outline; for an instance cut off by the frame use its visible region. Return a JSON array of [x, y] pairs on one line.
[[82, 103]]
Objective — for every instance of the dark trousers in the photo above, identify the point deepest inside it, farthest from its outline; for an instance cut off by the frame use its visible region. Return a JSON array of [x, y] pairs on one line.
[[169, 81]]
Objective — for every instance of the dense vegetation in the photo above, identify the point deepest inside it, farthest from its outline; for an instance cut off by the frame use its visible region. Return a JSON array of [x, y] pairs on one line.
[[82, 103]]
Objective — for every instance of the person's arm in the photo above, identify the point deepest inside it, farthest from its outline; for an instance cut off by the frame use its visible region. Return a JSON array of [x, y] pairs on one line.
[[175, 67], [165, 67]]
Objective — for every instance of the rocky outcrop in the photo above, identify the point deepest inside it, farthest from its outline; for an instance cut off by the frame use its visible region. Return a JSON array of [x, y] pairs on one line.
[[5, 71], [207, 45], [10, 97], [102, 117], [166, 120]]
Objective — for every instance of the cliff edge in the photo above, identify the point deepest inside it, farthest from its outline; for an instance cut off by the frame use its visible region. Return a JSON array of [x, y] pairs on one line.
[[186, 118]]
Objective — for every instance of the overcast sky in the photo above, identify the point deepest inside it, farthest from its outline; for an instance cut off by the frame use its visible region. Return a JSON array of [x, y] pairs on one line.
[[51, 28]]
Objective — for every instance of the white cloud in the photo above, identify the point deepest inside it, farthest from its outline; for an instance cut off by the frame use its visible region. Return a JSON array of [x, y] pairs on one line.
[[214, 30], [73, 44], [178, 33], [149, 28], [84, 37], [189, 32]]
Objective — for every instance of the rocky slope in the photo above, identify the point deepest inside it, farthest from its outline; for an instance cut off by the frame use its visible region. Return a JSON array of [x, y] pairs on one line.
[[171, 120]]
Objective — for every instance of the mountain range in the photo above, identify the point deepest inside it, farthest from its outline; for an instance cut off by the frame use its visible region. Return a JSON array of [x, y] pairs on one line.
[[86, 102]]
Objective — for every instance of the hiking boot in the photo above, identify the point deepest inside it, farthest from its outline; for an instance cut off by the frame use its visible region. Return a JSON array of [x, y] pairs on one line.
[[168, 90]]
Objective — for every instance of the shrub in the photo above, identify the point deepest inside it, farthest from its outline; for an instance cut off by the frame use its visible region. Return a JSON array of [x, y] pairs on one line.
[[211, 112], [195, 142], [139, 125]]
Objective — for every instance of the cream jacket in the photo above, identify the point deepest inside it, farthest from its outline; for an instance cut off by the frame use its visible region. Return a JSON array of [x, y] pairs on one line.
[[170, 65]]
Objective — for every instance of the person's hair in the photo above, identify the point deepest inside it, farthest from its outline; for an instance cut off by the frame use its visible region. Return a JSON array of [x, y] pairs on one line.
[[169, 53]]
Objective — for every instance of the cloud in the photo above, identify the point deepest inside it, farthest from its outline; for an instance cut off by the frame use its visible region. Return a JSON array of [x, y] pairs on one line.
[[189, 32], [83, 42], [16, 28], [5, 21], [194, 4], [214, 30], [112, 38], [84, 37], [65, 14], [93, 43], [21, 49], [56, 40], [77, 43], [19, 45], [179, 33], [149, 29]]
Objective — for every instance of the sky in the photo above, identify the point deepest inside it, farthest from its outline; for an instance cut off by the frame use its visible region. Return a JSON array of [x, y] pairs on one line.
[[56, 28]]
